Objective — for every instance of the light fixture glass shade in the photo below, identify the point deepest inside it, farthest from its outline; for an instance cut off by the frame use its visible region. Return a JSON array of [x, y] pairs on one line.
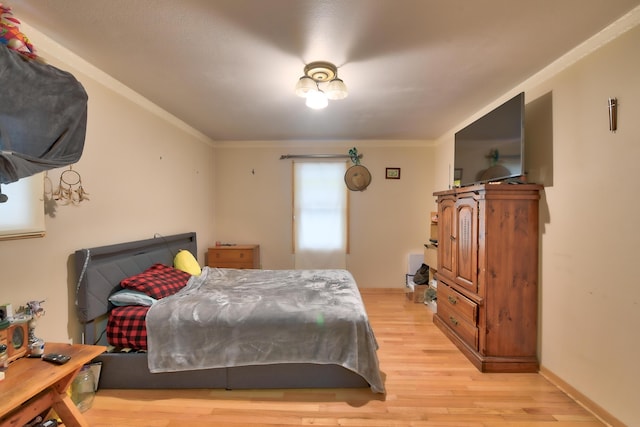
[[316, 99], [336, 89], [304, 86]]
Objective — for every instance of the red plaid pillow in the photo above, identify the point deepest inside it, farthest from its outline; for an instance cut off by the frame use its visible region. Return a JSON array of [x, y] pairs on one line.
[[157, 281]]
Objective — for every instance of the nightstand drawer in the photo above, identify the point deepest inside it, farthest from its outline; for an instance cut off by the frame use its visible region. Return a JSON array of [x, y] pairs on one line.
[[240, 256]]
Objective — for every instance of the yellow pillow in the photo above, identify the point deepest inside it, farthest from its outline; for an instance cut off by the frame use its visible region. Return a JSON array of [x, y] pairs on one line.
[[186, 262]]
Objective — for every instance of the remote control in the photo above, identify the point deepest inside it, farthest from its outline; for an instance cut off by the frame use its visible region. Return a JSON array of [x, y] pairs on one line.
[[58, 359]]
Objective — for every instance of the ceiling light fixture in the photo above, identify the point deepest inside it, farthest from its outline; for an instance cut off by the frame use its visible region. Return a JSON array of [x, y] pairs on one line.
[[316, 75]]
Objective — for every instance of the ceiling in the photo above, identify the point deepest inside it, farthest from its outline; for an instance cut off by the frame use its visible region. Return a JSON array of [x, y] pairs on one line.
[[414, 68]]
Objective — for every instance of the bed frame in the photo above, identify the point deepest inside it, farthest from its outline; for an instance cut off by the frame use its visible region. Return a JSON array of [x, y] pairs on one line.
[[99, 271]]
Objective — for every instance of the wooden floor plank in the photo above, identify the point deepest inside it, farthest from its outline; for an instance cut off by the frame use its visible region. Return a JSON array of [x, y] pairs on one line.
[[428, 381]]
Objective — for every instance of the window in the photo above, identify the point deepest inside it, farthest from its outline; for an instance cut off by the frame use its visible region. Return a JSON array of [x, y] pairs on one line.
[[22, 215], [320, 206]]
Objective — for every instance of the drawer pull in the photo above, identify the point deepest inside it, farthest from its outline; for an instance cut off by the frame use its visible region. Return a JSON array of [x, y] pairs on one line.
[[452, 300], [453, 320]]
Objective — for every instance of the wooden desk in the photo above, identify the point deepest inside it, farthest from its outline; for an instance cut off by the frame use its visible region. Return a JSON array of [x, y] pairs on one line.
[[31, 386]]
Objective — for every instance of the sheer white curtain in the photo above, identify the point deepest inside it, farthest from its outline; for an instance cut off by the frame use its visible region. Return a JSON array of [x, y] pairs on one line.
[[320, 215]]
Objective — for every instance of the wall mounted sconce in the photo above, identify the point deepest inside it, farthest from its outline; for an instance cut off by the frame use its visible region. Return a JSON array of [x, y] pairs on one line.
[[317, 74], [613, 114]]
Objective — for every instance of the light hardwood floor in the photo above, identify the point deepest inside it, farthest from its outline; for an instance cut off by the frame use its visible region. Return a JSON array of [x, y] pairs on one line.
[[428, 382]]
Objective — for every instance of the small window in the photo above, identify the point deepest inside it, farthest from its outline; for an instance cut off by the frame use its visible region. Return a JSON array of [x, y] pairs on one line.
[[22, 215], [320, 211]]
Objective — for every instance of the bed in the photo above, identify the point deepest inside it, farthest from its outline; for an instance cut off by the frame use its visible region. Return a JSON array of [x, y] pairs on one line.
[[240, 350]]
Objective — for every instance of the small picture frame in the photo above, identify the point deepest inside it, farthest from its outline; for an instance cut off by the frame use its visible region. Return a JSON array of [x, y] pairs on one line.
[[392, 173], [457, 174]]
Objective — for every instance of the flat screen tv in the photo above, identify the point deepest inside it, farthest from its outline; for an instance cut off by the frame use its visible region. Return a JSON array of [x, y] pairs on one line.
[[492, 147]]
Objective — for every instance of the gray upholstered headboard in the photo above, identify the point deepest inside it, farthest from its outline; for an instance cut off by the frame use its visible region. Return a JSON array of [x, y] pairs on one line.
[[99, 270]]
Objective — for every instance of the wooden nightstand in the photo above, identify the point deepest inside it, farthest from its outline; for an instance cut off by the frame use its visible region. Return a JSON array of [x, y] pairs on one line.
[[238, 256]]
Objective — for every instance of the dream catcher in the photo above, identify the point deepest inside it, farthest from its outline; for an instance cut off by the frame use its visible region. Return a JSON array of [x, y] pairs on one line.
[[70, 188]]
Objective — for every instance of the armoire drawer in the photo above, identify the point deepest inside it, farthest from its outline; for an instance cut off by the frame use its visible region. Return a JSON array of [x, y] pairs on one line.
[[468, 332], [457, 303]]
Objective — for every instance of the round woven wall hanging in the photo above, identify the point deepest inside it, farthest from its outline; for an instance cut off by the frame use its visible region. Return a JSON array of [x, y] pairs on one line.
[[357, 178]]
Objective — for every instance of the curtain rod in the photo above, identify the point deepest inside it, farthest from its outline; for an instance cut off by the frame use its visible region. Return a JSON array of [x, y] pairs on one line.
[[317, 156]]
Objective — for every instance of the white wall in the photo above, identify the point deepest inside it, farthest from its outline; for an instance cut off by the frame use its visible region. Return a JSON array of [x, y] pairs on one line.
[[389, 220], [145, 173], [589, 300]]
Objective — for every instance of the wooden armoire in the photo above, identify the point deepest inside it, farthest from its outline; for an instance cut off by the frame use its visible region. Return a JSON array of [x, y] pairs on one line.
[[488, 274]]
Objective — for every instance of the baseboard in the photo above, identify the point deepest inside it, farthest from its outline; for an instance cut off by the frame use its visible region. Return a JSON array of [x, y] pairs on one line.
[[582, 400]]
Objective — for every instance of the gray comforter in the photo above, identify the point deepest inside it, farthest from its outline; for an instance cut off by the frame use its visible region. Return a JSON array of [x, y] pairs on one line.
[[227, 317]]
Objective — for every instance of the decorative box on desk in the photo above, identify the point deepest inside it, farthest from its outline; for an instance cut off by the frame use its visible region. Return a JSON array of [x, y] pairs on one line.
[[235, 256]]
